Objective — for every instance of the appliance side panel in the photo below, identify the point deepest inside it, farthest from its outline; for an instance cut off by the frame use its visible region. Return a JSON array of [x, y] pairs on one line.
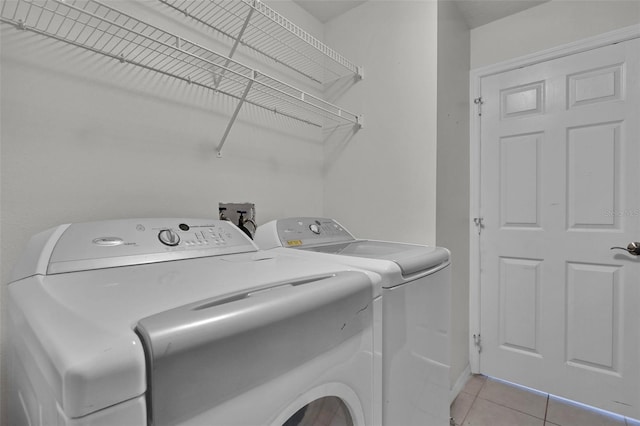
[[416, 334]]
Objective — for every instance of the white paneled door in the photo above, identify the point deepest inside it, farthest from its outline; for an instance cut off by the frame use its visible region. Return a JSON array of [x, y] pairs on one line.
[[560, 186]]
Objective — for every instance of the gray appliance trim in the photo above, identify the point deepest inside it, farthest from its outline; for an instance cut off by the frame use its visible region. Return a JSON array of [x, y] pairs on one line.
[[197, 354]]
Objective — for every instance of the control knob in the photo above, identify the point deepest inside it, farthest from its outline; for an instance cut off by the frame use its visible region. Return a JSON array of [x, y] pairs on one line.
[[169, 237]]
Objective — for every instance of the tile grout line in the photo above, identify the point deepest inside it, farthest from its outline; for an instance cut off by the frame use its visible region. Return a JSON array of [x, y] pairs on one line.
[[475, 397], [546, 410], [468, 411], [546, 422], [515, 409]]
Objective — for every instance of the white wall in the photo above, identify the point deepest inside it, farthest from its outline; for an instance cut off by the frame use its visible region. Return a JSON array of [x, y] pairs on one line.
[[87, 138], [548, 25], [452, 201], [381, 182]]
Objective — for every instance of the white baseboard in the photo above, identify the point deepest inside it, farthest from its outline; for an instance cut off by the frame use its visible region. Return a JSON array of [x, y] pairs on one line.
[[459, 384]]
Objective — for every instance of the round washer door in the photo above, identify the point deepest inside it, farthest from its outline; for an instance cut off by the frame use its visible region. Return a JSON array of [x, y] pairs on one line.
[[331, 404]]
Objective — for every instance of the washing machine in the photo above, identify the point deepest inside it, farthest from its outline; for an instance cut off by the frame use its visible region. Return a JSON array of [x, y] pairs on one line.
[[415, 301], [184, 322]]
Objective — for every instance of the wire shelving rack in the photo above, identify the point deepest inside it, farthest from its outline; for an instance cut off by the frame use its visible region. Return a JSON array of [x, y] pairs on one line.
[[92, 25], [255, 25]]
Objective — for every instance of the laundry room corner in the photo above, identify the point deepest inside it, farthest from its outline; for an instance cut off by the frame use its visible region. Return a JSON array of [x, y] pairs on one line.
[[412, 155], [382, 181], [453, 182]]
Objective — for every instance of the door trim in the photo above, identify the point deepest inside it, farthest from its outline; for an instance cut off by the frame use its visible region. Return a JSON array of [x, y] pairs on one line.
[[475, 76]]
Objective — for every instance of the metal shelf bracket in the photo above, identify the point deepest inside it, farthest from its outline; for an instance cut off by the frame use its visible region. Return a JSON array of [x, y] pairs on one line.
[[235, 114]]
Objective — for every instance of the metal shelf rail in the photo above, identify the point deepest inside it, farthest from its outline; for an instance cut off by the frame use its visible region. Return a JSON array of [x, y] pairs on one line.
[[258, 27], [102, 29]]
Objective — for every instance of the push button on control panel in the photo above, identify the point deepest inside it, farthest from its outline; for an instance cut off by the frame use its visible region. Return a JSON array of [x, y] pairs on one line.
[[206, 237]]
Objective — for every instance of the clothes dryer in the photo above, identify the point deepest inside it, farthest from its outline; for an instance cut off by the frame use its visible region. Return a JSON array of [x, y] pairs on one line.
[[184, 322], [415, 301]]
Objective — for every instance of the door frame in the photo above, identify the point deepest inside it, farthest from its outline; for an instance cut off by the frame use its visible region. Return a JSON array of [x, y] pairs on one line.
[[475, 77]]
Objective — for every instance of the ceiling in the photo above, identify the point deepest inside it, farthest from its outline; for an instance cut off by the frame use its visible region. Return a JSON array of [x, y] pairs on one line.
[[326, 10], [474, 12], [480, 12]]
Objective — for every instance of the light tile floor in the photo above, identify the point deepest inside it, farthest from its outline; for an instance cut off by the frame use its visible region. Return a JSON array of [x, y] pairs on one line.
[[489, 402]]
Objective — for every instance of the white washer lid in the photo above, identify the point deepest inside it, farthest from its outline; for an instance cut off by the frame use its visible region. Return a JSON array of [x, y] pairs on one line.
[[326, 235], [411, 258]]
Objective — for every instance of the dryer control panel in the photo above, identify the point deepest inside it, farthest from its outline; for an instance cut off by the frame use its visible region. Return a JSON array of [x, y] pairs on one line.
[[298, 232], [126, 242]]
